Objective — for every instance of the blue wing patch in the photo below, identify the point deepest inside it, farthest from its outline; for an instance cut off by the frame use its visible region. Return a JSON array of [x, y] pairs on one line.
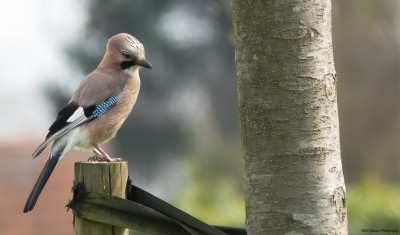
[[103, 107]]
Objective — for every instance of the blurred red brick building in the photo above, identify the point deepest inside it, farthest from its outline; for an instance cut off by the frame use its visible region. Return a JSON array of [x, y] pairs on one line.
[[17, 176]]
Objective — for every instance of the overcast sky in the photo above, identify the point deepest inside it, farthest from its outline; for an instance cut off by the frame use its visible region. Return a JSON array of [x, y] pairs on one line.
[[33, 37]]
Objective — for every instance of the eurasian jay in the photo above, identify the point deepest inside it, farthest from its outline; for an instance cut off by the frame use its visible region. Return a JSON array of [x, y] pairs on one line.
[[98, 108]]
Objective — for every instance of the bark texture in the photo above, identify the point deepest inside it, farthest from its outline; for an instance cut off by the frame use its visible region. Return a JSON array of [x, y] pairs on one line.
[[288, 117]]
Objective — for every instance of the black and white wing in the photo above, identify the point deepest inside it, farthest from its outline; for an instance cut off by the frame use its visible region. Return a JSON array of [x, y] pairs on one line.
[[72, 116], [68, 118]]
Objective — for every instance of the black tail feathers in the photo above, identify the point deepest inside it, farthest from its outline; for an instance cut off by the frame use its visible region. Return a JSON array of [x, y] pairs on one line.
[[42, 180]]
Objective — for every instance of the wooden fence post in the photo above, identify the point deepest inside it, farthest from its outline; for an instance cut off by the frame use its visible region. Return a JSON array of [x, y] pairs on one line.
[[101, 177]]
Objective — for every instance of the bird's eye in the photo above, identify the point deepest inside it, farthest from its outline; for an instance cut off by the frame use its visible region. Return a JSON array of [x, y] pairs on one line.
[[126, 55]]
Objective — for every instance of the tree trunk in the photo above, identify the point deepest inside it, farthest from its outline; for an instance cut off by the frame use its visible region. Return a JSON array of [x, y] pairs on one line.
[[288, 117]]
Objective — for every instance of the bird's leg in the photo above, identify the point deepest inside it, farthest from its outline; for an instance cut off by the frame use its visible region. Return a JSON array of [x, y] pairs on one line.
[[105, 156], [95, 151], [99, 157]]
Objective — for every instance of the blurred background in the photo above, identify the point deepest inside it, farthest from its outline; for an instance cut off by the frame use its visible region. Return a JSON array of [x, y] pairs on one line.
[[182, 139]]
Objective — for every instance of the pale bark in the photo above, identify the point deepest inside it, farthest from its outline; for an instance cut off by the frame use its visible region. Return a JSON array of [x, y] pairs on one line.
[[288, 117]]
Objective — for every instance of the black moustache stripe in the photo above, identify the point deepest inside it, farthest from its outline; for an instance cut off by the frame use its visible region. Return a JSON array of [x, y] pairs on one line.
[[127, 64]]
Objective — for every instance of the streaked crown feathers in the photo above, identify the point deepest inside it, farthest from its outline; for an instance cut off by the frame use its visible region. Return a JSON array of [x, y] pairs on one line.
[[125, 42]]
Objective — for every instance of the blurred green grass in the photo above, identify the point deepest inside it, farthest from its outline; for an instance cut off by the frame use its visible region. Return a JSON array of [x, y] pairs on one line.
[[217, 203], [373, 204]]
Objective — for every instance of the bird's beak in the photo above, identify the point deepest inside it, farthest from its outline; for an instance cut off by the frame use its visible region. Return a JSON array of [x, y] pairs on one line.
[[144, 63]]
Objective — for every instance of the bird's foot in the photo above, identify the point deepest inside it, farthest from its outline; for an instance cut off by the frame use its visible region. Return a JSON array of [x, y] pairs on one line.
[[97, 158]]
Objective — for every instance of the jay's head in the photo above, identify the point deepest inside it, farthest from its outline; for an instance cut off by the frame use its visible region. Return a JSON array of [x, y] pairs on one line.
[[126, 52]]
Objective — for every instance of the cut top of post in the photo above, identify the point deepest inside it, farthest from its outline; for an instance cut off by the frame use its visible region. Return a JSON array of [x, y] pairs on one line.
[[103, 177]]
